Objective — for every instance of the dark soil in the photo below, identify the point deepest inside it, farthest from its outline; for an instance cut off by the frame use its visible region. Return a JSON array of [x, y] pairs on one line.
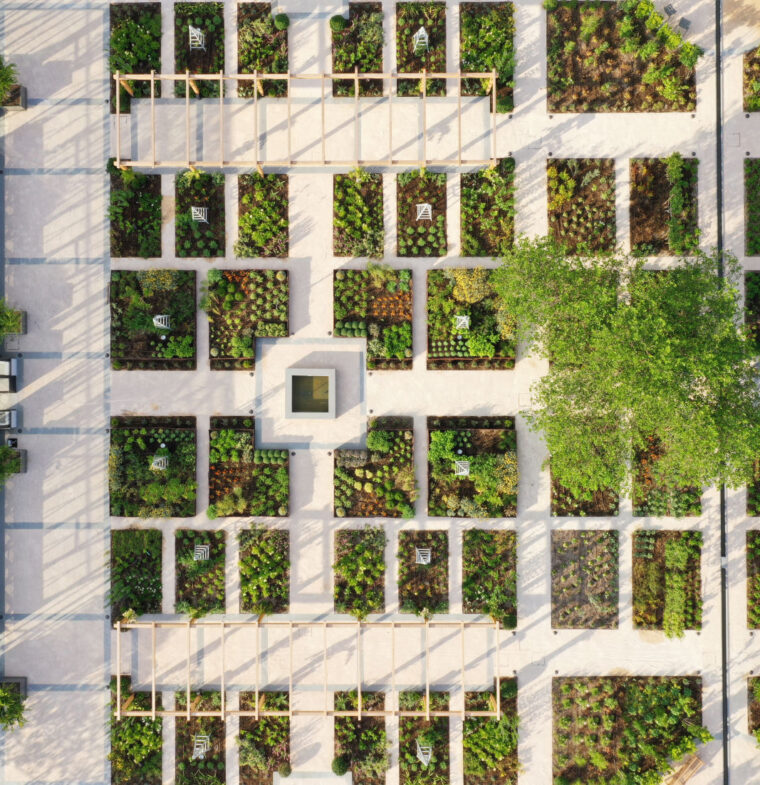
[[371, 701], [141, 89], [409, 18], [412, 728], [126, 243], [277, 247], [224, 476], [274, 47], [649, 498], [201, 193], [601, 504], [198, 61], [423, 587], [752, 319], [185, 730], [347, 41], [346, 542], [753, 579], [276, 755], [421, 190], [754, 705], [200, 587], [751, 78]]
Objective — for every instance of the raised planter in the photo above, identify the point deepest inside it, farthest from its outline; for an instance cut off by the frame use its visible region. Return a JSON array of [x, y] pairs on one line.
[[22, 462], [19, 681], [16, 101]]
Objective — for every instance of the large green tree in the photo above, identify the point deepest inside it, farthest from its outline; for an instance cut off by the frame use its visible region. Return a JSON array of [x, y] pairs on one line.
[[636, 354]]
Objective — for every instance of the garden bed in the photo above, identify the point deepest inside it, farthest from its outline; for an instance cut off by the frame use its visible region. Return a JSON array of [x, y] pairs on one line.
[[655, 500], [490, 746], [360, 571], [136, 298], [664, 205], [196, 237], [211, 769], [358, 214], [136, 489], [264, 570], [376, 304], [423, 588], [582, 203], [263, 222], [486, 42], [209, 18], [752, 205], [752, 309], [359, 45], [136, 742], [361, 745], [410, 17], [433, 733], [488, 445], [134, 48], [487, 339], [423, 236], [262, 47], [617, 57], [134, 211], [243, 305], [264, 743], [135, 572], [200, 572], [604, 729], [753, 713], [753, 579], [597, 504], [378, 481], [489, 575], [752, 80], [667, 584], [585, 580], [488, 210]]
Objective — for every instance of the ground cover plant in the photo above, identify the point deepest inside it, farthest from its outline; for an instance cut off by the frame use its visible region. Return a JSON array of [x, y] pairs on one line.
[[137, 341], [138, 487], [360, 571], [200, 572], [423, 588], [433, 733], [262, 48], [264, 570], [488, 447], [9, 87], [209, 19], [617, 57], [357, 43], [358, 214], [416, 234], [136, 742], [378, 481], [582, 203], [664, 205], [490, 745], [199, 771], [752, 307], [241, 306], [361, 745], [488, 209], [135, 572], [752, 205], [628, 729], [753, 686], [11, 320], [752, 80], [411, 58], [264, 743], [486, 42], [585, 579], [653, 498], [193, 236], [11, 706], [601, 503], [134, 211], [489, 574], [753, 579], [468, 328], [667, 588], [376, 304], [135, 48], [263, 222]]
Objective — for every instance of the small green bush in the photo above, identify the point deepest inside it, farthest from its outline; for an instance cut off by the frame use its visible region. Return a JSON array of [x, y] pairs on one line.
[[282, 21], [11, 707], [338, 24]]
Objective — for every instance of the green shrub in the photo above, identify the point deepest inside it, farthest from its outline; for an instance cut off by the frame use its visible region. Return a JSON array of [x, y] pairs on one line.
[[282, 21], [338, 23], [8, 78], [11, 707], [341, 763]]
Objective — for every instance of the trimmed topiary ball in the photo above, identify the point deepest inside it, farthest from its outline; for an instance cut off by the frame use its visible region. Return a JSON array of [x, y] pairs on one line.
[[282, 21], [338, 24]]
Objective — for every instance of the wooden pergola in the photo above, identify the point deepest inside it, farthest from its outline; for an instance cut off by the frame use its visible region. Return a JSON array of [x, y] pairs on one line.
[[222, 625], [258, 161]]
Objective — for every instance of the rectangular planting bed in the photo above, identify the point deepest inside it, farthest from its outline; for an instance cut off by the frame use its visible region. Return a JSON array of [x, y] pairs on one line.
[[135, 572], [489, 575], [379, 481], [135, 213], [411, 56], [752, 205], [752, 305], [752, 80], [472, 467], [361, 745], [263, 219], [200, 572], [208, 18], [655, 500], [264, 570], [376, 304], [593, 504], [753, 579], [358, 228], [151, 467], [585, 579], [153, 320], [210, 769], [753, 700], [262, 48], [241, 306], [468, 328], [421, 213], [617, 57], [264, 743], [423, 572], [199, 220], [582, 203], [488, 209], [136, 742], [358, 47], [667, 583], [433, 733], [360, 571]]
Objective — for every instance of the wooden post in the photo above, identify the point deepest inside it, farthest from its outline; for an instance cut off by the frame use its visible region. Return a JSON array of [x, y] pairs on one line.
[[356, 115], [324, 154], [390, 121], [359, 666], [118, 121], [195, 87], [290, 160], [498, 678], [221, 125], [394, 701], [493, 116], [187, 696], [258, 666], [324, 655], [118, 658], [125, 84], [153, 671], [427, 673], [459, 121], [187, 116], [153, 115], [290, 647], [224, 668], [424, 116], [461, 640]]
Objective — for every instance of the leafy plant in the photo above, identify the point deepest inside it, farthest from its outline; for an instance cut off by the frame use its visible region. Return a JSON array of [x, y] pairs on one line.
[[753, 580], [490, 745], [10, 320], [357, 43], [683, 235], [264, 570], [360, 571], [489, 574], [135, 572], [11, 707], [135, 213], [264, 743], [752, 204], [199, 189], [361, 745], [209, 18], [752, 80], [410, 17], [263, 222], [136, 742], [421, 237], [262, 48], [135, 48], [433, 732], [423, 588], [199, 581], [358, 214], [190, 770], [488, 208]]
